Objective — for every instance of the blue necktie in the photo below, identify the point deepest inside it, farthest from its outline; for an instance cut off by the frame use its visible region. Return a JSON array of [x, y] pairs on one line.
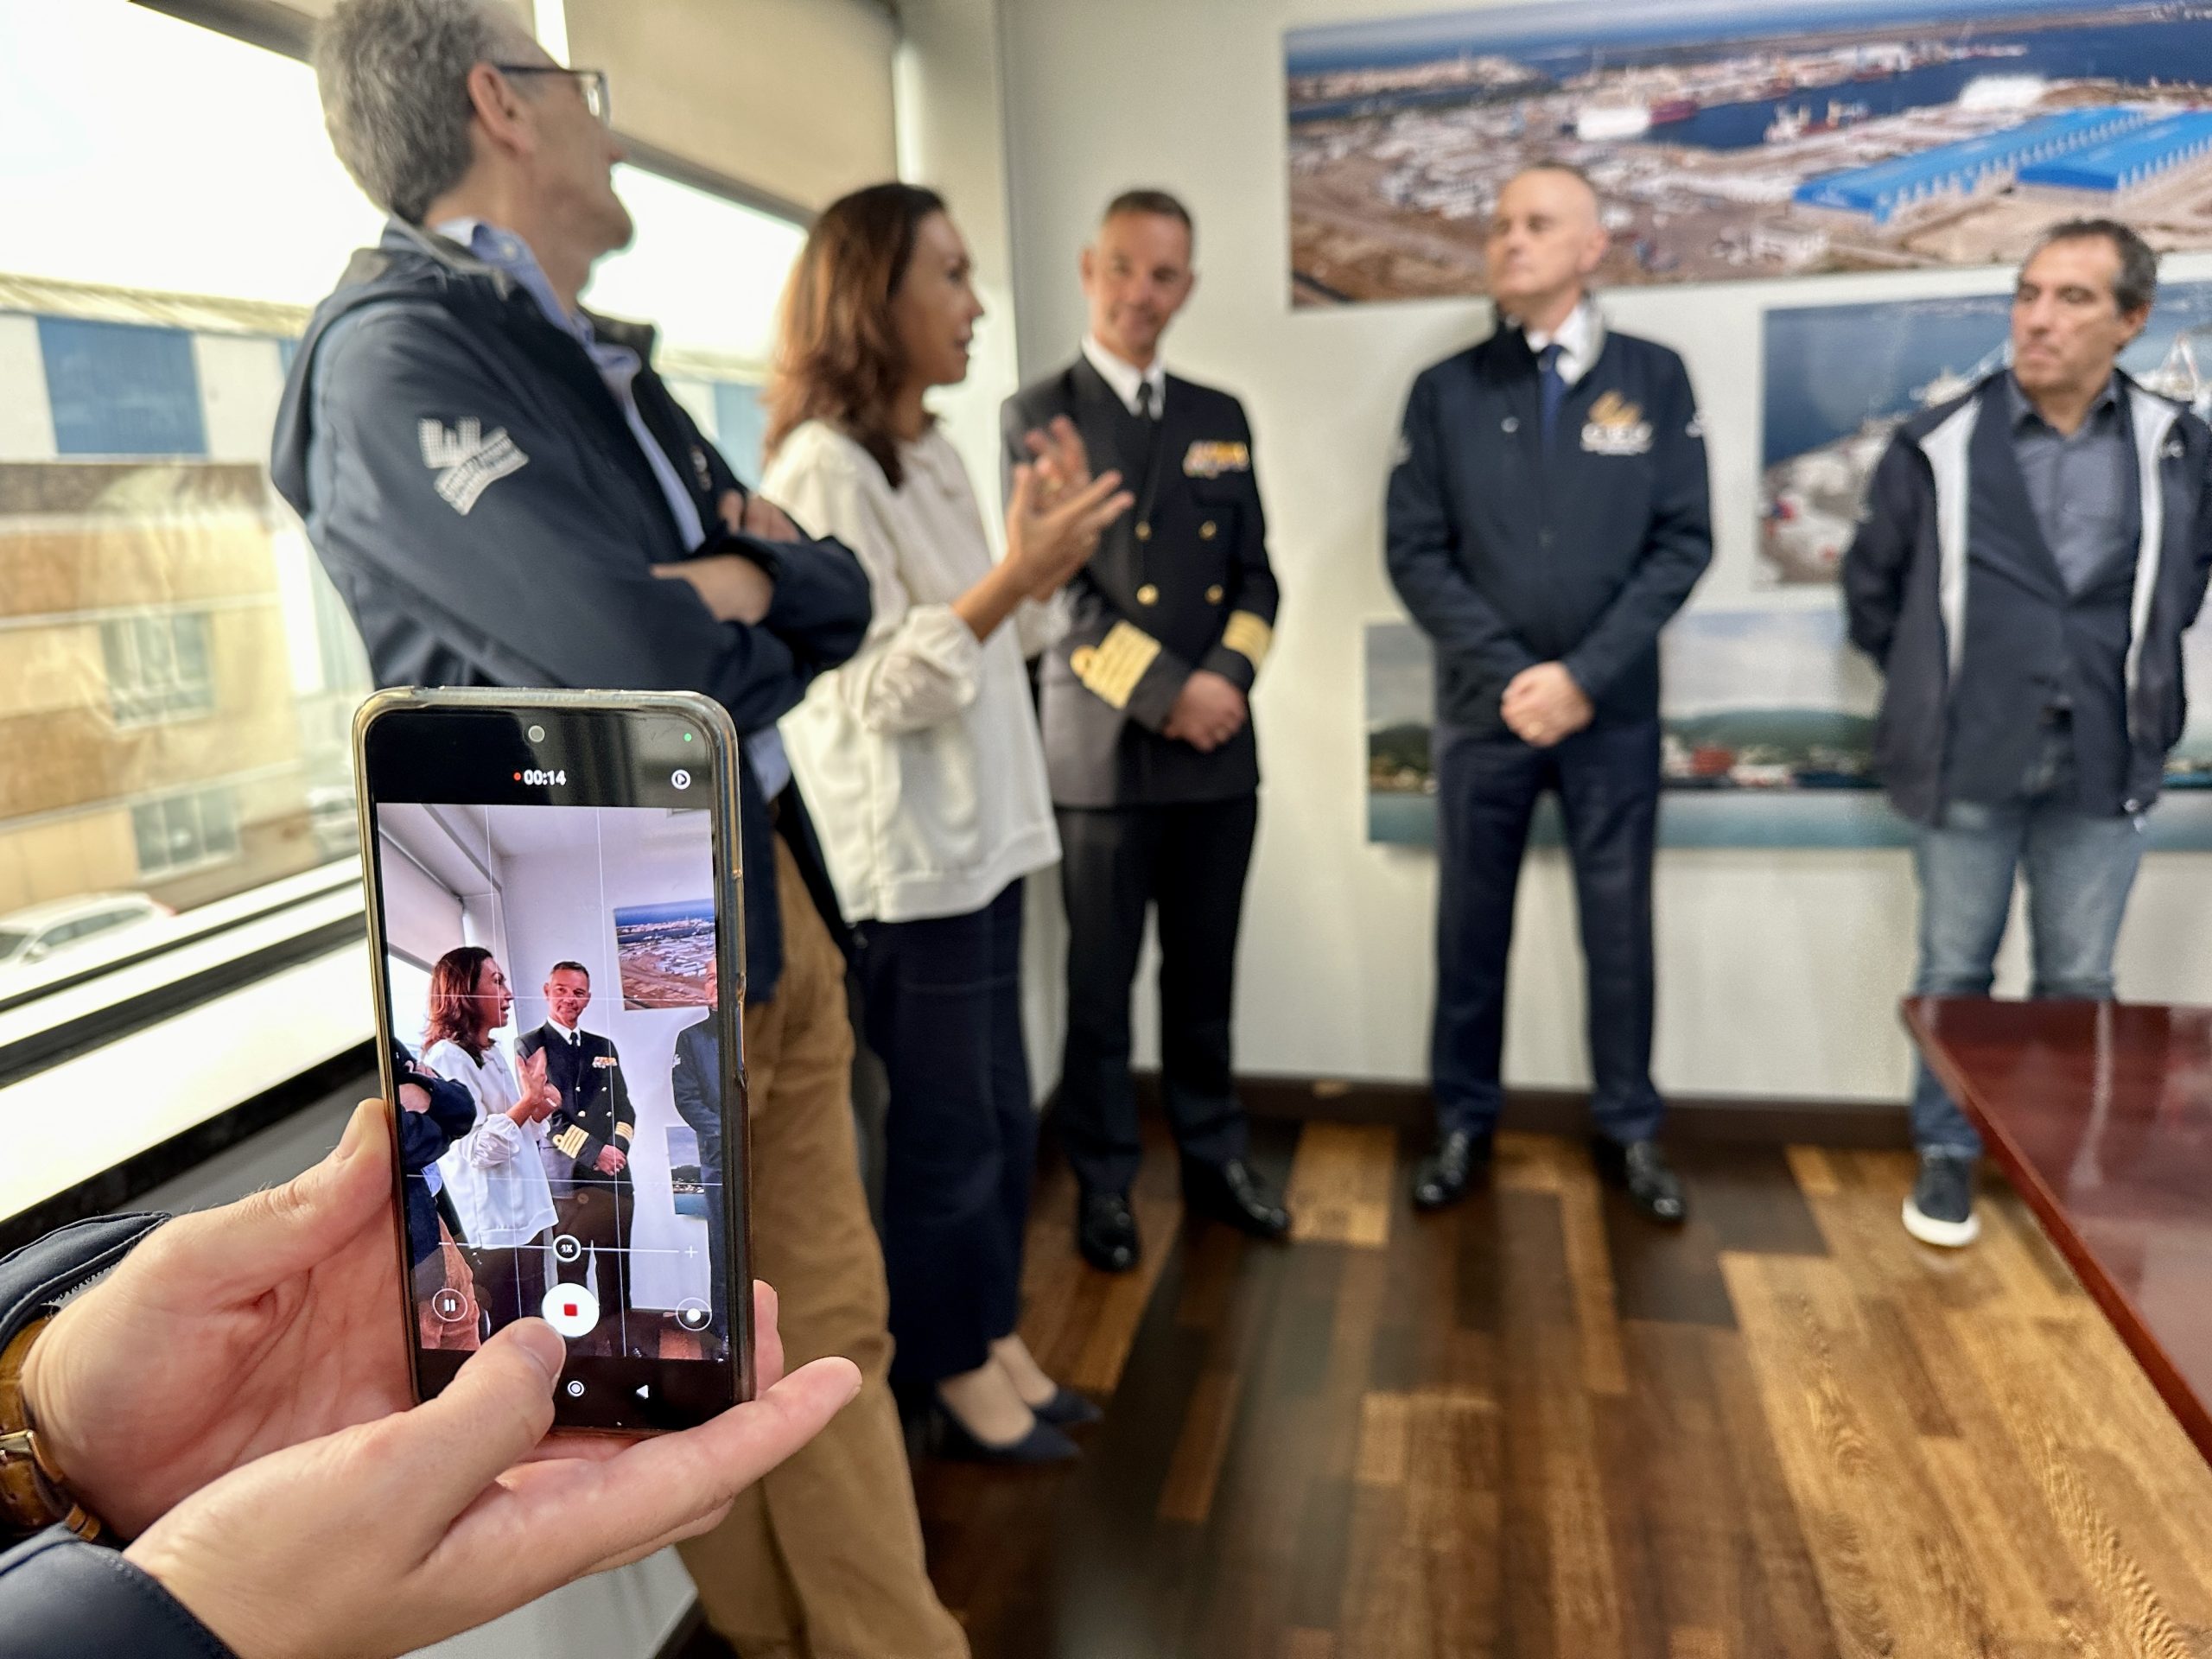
[[1555, 387]]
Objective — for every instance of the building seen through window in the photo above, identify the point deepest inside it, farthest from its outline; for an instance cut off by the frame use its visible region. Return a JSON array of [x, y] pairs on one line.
[[177, 677]]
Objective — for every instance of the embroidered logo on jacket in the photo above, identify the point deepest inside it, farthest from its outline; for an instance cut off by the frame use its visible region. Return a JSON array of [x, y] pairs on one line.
[[1204, 459], [468, 463], [1615, 427]]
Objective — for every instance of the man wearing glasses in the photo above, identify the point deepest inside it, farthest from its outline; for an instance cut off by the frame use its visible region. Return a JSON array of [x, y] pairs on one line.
[[505, 494]]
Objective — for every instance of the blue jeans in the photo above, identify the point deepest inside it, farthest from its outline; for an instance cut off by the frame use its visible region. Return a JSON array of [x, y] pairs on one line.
[[1486, 790], [2079, 869]]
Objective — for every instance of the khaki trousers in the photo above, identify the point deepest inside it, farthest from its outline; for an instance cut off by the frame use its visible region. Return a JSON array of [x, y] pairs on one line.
[[822, 1559]]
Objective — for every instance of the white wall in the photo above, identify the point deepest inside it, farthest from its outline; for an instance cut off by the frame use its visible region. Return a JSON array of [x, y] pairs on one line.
[[952, 98], [1779, 971]]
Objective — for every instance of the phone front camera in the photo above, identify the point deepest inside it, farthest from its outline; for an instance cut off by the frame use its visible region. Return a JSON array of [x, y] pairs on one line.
[[537, 733]]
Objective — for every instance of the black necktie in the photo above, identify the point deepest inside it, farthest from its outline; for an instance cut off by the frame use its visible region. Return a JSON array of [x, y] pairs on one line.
[[1145, 410]]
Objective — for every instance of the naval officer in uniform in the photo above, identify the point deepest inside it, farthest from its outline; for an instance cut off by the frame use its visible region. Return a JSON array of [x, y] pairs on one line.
[[1148, 734], [1548, 513], [587, 1146]]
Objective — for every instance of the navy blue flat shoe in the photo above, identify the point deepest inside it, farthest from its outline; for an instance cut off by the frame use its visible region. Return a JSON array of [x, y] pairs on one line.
[[950, 1439], [1068, 1409]]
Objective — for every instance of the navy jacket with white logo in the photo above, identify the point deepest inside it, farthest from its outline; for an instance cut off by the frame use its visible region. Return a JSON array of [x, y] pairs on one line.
[[486, 512], [1509, 552]]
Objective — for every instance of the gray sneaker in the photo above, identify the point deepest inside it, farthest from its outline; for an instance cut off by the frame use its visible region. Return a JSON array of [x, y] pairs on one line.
[[1940, 1210]]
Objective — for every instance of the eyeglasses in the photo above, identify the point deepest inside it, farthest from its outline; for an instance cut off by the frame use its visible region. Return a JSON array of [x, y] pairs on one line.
[[591, 82]]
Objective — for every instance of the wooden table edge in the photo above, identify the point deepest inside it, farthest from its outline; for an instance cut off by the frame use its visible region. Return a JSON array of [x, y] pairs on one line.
[[2194, 1414]]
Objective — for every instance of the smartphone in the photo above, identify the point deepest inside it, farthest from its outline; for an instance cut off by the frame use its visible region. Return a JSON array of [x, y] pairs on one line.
[[553, 894]]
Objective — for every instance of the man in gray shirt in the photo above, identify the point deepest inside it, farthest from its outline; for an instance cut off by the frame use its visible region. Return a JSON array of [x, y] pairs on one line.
[[2081, 484], [2031, 554]]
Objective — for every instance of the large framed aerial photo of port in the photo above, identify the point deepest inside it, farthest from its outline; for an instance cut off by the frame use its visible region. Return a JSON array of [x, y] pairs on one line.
[[667, 953], [1732, 139]]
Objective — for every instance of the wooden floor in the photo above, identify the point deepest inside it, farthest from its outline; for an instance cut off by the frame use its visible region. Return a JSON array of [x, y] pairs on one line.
[[1536, 1425]]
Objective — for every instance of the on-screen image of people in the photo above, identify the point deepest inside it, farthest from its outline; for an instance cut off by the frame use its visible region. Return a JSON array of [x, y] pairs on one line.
[[433, 1114], [499, 1173], [588, 1138]]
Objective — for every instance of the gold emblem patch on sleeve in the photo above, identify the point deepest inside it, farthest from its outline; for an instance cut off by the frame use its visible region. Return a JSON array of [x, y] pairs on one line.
[[1112, 672]]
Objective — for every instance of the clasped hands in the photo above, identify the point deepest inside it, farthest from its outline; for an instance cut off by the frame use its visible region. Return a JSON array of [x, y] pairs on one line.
[[1542, 706], [234, 1399], [1208, 710]]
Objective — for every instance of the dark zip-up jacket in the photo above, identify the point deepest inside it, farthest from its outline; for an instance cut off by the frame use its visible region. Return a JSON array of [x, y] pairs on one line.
[[484, 507], [1510, 553], [1906, 584], [425, 1137], [60, 1596]]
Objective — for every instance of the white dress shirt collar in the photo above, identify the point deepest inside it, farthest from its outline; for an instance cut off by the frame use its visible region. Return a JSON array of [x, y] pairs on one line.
[[1124, 378], [1580, 340], [568, 1034]]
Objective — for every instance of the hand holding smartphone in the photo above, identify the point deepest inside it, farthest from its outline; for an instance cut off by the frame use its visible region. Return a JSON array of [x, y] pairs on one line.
[[553, 902]]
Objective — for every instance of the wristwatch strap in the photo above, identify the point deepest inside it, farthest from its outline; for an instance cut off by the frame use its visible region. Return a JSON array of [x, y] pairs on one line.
[[35, 1282], [32, 1497]]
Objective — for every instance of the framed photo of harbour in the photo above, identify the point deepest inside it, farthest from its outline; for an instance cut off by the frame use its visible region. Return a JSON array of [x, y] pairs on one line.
[[1737, 139], [1841, 379], [666, 953], [1766, 738]]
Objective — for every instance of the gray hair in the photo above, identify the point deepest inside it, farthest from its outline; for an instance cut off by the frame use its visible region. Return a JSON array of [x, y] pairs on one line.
[[2137, 285], [394, 80]]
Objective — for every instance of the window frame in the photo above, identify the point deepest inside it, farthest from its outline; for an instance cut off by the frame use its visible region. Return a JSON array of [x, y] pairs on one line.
[[325, 926], [143, 700], [196, 795]]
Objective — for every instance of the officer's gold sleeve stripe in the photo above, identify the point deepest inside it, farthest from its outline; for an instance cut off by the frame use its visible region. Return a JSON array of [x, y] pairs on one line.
[[1129, 651], [623, 1131], [1249, 636], [571, 1144], [1116, 667]]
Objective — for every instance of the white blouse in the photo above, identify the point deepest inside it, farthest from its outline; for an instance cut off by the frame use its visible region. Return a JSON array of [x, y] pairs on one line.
[[496, 1172], [924, 771]]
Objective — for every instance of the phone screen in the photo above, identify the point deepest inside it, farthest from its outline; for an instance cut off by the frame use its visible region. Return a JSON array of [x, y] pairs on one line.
[[554, 927]]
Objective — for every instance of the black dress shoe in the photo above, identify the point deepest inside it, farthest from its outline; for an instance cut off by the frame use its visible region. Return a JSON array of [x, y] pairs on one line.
[[951, 1438], [1068, 1409], [1232, 1192], [1443, 1177], [1640, 1166], [1106, 1232]]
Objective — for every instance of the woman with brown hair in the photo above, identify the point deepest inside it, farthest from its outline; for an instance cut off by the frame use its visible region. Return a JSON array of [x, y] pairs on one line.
[[922, 757], [496, 1174]]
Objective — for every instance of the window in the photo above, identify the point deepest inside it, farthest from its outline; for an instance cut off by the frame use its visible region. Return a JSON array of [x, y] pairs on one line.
[[708, 274], [157, 667], [177, 677], [116, 389], [182, 832]]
